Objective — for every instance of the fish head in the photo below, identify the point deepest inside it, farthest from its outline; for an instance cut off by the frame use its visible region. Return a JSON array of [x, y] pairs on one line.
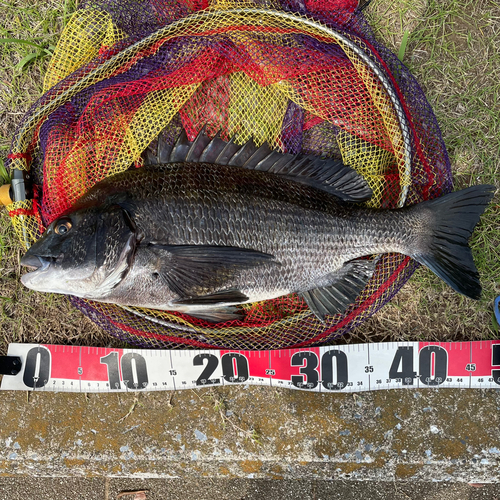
[[85, 253]]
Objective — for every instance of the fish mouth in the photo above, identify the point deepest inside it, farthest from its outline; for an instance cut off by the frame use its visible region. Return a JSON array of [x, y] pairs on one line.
[[37, 262]]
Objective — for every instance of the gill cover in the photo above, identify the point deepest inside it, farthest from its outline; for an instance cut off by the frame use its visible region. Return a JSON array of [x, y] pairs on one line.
[[116, 243]]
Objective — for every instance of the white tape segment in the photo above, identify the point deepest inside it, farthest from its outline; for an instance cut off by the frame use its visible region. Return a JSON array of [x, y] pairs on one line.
[[347, 368]]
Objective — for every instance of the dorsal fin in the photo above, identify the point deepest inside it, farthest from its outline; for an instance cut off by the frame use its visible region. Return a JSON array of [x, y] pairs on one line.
[[326, 174], [213, 149], [181, 148], [227, 152], [198, 146]]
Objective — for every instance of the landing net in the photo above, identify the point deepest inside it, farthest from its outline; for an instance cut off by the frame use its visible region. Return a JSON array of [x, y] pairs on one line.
[[305, 77]]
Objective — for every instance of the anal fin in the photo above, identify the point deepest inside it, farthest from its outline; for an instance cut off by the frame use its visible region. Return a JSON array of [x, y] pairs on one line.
[[345, 287], [218, 314]]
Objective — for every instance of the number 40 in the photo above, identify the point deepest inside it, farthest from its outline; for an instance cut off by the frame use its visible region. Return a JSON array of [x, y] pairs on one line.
[[431, 358]]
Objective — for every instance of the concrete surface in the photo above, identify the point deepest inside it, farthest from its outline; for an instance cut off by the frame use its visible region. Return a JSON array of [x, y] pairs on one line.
[[255, 433], [237, 489]]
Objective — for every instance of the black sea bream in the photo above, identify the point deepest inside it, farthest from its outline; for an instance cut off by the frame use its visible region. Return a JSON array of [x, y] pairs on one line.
[[212, 225]]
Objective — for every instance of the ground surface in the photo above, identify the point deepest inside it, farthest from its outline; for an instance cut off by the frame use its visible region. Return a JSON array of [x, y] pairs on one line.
[[238, 489], [215, 435]]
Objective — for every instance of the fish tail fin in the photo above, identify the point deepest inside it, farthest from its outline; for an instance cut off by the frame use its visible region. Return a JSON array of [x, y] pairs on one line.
[[446, 250]]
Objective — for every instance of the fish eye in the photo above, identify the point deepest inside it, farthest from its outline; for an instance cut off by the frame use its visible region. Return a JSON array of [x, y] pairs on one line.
[[62, 227]]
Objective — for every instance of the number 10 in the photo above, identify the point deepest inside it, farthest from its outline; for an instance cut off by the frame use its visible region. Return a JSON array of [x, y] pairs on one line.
[[134, 371]]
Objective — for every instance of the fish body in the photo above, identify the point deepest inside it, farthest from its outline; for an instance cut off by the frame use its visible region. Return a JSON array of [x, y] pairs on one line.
[[200, 238]]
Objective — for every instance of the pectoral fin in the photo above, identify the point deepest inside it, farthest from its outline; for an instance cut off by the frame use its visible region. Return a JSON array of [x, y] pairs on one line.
[[343, 290], [215, 298], [197, 273]]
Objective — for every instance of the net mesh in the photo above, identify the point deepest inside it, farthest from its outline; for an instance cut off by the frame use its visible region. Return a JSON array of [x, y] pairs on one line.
[[304, 77]]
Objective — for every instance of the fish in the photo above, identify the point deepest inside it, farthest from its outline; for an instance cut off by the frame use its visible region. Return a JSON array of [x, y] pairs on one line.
[[208, 225]]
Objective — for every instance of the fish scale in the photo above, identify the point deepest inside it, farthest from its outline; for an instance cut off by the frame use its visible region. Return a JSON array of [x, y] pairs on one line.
[[282, 226]]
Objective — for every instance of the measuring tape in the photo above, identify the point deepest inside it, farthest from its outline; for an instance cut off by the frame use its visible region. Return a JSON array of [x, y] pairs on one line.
[[347, 368]]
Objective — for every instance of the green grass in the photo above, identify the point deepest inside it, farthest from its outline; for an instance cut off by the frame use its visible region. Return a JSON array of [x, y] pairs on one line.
[[4, 175], [463, 83], [453, 49], [28, 34], [404, 44], [40, 52]]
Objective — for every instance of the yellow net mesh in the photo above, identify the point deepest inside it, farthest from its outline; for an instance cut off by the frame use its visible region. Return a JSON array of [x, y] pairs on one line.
[[26, 221], [255, 109], [88, 32]]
